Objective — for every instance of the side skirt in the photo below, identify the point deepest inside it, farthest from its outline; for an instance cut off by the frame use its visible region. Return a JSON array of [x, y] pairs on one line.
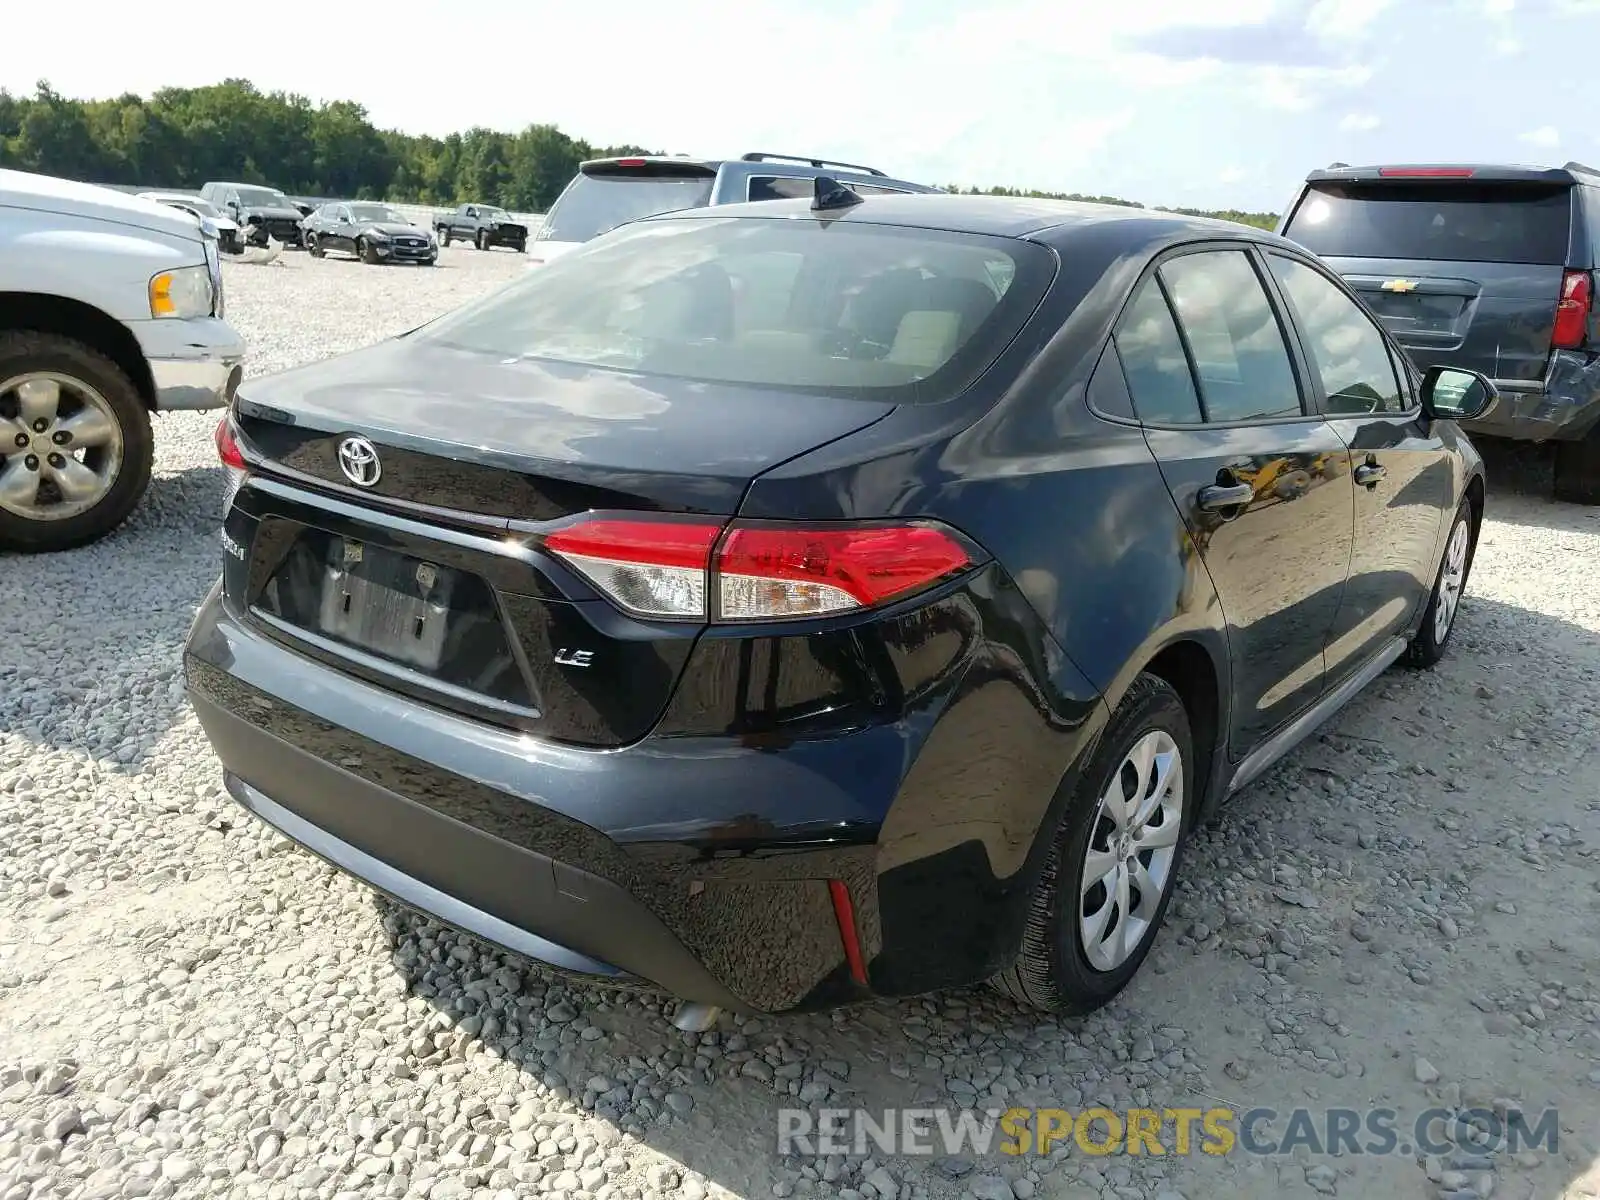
[[1256, 763]]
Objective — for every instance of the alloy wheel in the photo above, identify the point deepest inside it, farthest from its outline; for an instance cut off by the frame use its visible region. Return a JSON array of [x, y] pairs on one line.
[[60, 446], [1132, 847], [1451, 580]]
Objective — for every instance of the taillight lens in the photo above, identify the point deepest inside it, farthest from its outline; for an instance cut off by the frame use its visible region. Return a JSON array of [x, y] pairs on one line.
[[1572, 311], [653, 568], [770, 571], [228, 452], [760, 571]]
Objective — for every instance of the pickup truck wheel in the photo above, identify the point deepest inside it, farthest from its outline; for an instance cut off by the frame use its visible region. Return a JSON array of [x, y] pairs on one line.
[[481, 241], [75, 443], [443, 233], [1578, 470]]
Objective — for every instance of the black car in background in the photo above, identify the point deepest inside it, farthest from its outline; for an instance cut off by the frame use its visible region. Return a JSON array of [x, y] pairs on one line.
[[374, 233], [1486, 267], [484, 225], [261, 212], [788, 603]]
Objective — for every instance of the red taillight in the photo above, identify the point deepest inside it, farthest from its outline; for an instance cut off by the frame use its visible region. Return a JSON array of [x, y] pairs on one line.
[[653, 568], [228, 446], [1572, 311], [228, 452], [761, 571], [767, 571], [1425, 172], [630, 162]]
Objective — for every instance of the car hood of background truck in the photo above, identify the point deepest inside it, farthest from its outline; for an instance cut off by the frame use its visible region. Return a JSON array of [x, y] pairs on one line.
[[46, 193]]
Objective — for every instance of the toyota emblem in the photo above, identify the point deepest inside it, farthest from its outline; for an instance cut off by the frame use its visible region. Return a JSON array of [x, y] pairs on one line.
[[358, 459]]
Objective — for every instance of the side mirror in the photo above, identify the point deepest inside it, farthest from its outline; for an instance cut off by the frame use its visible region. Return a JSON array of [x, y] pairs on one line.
[[1457, 394]]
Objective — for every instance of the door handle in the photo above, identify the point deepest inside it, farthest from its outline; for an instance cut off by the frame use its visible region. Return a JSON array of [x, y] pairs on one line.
[[1225, 495], [1369, 474]]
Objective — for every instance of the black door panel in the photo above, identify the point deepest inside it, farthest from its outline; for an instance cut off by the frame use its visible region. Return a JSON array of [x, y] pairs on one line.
[[1263, 488], [1402, 479], [1278, 561]]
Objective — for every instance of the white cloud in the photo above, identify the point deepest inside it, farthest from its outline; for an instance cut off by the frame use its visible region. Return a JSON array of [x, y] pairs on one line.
[[1232, 175], [1546, 137], [1505, 47], [1498, 8], [1359, 122], [1335, 19]]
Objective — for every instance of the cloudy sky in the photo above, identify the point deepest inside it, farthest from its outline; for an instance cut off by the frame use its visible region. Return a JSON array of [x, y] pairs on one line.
[[1183, 102]]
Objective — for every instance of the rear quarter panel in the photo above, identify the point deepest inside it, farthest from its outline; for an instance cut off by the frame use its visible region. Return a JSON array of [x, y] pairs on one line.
[[1074, 509]]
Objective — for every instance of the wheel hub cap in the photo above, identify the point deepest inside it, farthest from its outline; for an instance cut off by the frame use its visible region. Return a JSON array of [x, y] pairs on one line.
[[60, 446], [1127, 866]]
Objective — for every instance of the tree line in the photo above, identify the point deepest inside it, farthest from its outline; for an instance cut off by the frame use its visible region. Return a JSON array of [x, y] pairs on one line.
[[182, 137]]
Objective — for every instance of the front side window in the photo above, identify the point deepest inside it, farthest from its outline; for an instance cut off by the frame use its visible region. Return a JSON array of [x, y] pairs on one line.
[[1234, 337], [1349, 351], [901, 314]]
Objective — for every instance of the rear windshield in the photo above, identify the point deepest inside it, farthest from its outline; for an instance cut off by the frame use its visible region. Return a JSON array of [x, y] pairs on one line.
[[594, 204], [1518, 223], [262, 198], [847, 309]]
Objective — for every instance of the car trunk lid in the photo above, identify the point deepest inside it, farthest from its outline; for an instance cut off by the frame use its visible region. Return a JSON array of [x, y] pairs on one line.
[[1462, 271], [428, 574]]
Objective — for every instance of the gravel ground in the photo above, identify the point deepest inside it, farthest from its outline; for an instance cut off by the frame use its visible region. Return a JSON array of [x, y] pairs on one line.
[[1404, 914]]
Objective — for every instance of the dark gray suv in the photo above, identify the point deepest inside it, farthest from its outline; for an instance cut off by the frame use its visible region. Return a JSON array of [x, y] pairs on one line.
[[1486, 267]]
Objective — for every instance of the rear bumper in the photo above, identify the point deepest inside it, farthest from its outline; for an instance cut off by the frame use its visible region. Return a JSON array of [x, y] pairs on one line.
[[1563, 406], [480, 884], [698, 863]]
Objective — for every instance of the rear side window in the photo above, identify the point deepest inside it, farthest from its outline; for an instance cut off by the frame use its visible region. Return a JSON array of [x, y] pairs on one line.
[[1350, 353], [596, 204], [1234, 337], [1153, 360], [1513, 223], [898, 314]]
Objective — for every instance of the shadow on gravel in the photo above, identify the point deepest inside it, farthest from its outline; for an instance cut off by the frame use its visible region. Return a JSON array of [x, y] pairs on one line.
[[90, 639], [711, 1101], [1521, 477]]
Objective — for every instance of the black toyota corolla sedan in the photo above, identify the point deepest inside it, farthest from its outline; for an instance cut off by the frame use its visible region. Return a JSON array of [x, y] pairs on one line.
[[790, 603]]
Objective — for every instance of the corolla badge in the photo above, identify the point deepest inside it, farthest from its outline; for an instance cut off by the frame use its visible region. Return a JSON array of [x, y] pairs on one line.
[[358, 459]]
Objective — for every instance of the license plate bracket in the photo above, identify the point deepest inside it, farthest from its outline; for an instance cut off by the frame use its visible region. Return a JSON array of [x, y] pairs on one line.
[[386, 603]]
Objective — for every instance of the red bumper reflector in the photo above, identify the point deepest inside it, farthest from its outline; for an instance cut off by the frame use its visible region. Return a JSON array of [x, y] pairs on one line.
[[845, 913]]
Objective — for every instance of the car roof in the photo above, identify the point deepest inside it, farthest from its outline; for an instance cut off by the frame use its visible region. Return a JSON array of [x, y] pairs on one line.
[[998, 216], [1446, 173]]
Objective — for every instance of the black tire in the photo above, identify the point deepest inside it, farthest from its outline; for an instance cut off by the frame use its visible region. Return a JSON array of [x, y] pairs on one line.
[[366, 252], [1578, 470], [443, 233], [1428, 646], [481, 240], [1052, 971], [314, 246], [23, 352]]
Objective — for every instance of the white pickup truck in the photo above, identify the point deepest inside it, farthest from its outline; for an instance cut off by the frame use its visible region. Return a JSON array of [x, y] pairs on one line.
[[110, 310]]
